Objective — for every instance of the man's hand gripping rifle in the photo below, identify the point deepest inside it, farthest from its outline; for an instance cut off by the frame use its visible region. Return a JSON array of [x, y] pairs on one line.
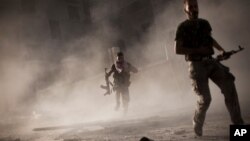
[[108, 83], [227, 55]]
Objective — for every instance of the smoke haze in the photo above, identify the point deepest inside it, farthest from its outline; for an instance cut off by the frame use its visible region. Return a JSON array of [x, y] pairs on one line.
[[56, 84]]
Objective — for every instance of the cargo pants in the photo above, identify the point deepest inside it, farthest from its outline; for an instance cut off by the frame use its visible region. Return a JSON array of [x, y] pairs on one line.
[[122, 93], [200, 73]]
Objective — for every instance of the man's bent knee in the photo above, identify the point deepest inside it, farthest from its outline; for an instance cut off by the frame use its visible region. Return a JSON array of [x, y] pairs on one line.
[[204, 102]]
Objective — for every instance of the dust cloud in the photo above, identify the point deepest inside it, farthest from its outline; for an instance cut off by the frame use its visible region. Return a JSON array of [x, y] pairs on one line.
[[46, 83]]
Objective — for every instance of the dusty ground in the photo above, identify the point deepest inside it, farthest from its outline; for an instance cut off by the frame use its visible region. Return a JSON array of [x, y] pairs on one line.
[[176, 128]]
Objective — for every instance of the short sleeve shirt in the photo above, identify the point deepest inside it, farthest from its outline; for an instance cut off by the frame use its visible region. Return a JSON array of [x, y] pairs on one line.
[[194, 33]]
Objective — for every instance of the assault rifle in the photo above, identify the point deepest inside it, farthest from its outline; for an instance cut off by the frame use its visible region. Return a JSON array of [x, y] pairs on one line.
[[108, 83], [228, 54]]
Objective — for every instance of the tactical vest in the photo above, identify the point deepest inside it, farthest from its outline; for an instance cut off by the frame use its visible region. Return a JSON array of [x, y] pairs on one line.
[[121, 79]]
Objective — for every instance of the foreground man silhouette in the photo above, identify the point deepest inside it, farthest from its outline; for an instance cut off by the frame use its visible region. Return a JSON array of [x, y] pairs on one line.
[[194, 41]]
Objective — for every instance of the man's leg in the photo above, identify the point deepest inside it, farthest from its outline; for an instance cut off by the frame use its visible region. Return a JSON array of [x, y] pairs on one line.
[[200, 85], [204, 99], [125, 99], [225, 81], [117, 96]]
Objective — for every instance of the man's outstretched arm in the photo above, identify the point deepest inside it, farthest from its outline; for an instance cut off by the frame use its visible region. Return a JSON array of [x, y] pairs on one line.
[[133, 69], [217, 46]]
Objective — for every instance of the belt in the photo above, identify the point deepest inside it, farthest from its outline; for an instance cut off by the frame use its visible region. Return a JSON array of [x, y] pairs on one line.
[[198, 58]]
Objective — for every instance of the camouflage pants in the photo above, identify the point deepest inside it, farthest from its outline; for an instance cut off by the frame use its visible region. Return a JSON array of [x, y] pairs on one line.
[[124, 94], [200, 72]]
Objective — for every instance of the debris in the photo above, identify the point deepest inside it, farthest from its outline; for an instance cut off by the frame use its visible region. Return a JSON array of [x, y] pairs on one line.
[[9, 139], [145, 139], [179, 132]]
